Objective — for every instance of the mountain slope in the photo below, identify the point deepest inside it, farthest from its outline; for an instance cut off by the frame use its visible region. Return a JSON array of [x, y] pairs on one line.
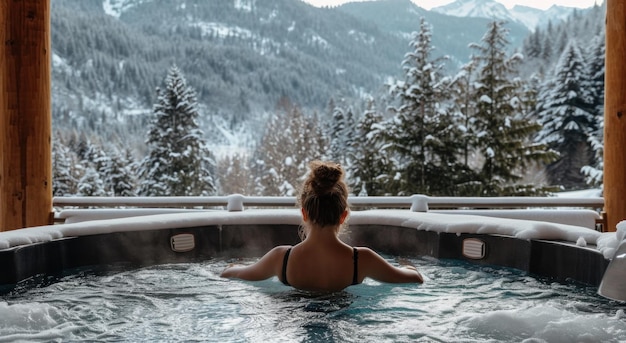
[[451, 35], [241, 56]]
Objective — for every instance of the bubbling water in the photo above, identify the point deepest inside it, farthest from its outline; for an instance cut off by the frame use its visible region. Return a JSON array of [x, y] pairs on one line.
[[190, 302]]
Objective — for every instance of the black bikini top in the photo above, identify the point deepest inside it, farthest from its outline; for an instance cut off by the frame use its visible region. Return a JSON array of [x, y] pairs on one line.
[[355, 259]]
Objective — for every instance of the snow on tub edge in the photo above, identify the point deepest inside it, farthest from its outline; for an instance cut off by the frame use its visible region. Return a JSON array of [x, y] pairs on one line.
[[606, 243]]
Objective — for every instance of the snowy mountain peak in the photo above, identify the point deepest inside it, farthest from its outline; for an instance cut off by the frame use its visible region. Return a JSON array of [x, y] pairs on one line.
[[491, 9], [475, 8]]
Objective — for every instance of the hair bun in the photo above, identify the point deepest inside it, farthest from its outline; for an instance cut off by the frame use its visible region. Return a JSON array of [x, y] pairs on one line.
[[325, 175]]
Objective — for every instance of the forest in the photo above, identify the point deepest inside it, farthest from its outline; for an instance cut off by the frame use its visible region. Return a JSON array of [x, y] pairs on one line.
[[525, 122]]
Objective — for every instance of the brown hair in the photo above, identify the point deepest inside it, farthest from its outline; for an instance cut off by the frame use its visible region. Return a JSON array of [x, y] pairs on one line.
[[324, 195]]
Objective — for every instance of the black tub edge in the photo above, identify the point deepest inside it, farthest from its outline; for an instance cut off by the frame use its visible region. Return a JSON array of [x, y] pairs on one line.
[[558, 260]]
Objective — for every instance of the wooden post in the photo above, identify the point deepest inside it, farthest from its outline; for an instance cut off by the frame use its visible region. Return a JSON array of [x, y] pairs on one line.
[[25, 114], [615, 114]]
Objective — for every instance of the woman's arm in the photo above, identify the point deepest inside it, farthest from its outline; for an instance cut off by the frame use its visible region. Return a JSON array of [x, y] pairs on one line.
[[374, 266], [269, 265]]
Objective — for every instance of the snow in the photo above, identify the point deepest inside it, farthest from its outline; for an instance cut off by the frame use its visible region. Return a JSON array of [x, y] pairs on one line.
[[362, 37], [317, 40], [244, 5], [576, 217], [490, 153], [585, 193], [476, 8], [222, 30], [527, 16], [59, 63], [606, 243], [115, 8], [486, 99], [547, 323], [621, 231], [14, 238]]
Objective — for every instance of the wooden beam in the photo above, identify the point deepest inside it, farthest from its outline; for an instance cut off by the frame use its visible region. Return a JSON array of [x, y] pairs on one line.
[[615, 114], [25, 111]]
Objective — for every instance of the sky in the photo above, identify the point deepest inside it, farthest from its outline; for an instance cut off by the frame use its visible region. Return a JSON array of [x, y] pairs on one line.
[[428, 4]]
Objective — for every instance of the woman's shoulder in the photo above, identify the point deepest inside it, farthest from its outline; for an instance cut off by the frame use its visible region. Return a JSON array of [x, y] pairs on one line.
[[365, 251], [369, 256], [280, 249], [276, 253]]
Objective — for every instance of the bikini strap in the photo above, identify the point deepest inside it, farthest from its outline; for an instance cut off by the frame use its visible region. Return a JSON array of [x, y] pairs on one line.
[[285, 266], [355, 258]]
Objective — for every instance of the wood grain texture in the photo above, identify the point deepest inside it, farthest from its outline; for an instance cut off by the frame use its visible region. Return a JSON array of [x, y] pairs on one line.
[[25, 111], [615, 114]]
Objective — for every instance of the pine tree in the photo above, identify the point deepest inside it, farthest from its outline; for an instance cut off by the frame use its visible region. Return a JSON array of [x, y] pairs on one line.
[[342, 134], [424, 135], [118, 177], [503, 130], [100, 161], [372, 170], [532, 44], [596, 61], [337, 130], [92, 158], [597, 52], [594, 173], [547, 48], [91, 184], [463, 92], [83, 147], [178, 162], [566, 112], [63, 181]]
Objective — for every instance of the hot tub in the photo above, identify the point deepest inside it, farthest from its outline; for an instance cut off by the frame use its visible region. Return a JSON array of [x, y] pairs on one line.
[[562, 252], [552, 255]]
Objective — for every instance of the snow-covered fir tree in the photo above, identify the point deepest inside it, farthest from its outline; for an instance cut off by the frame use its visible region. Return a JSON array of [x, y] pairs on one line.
[[424, 136], [68, 166], [91, 184], [82, 146], [503, 129], [178, 162], [463, 91], [567, 114], [119, 179], [544, 46], [342, 134], [596, 52], [372, 170], [594, 173], [74, 175], [99, 159], [337, 129], [64, 182]]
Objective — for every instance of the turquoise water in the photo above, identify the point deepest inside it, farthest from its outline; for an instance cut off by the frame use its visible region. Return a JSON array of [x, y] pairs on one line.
[[459, 302]]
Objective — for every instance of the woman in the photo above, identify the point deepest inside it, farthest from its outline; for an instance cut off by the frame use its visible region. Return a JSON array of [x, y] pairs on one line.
[[322, 262]]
